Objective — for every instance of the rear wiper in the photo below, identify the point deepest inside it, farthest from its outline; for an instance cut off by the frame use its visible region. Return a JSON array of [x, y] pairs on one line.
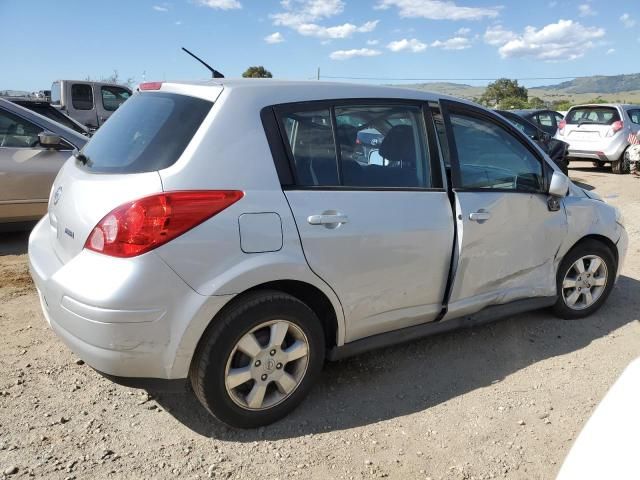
[[81, 157]]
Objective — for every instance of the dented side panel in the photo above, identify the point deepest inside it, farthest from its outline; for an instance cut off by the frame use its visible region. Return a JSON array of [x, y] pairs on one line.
[[510, 256]]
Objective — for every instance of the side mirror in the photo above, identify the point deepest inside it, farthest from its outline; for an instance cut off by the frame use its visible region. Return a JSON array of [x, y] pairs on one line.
[[49, 139], [559, 185]]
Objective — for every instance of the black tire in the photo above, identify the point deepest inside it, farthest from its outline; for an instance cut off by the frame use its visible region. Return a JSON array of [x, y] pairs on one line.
[[582, 249], [621, 166], [208, 367]]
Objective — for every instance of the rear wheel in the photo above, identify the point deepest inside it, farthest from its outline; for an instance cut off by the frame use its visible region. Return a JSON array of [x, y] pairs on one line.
[[584, 280], [622, 166], [259, 360]]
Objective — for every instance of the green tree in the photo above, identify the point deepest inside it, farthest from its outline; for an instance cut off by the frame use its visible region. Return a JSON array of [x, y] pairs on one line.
[[257, 72], [513, 103], [536, 102], [598, 100], [501, 89], [561, 105]]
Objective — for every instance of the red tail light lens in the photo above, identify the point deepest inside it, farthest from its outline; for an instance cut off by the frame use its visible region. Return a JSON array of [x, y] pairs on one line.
[[617, 126], [142, 225], [562, 124], [150, 86]]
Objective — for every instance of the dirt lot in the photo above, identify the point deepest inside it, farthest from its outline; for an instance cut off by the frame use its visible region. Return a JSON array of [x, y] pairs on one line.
[[500, 401]]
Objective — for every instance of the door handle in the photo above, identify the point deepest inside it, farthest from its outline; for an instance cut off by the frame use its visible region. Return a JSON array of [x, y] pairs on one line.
[[328, 220], [479, 217]]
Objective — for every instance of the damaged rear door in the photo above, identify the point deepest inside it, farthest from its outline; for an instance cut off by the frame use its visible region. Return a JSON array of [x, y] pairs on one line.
[[507, 234]]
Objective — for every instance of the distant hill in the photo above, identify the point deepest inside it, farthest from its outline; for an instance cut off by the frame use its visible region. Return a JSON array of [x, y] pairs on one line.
[[599, 84], [615, 88]]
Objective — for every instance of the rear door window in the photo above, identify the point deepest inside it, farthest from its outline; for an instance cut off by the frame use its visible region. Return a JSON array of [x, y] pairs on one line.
[[113, 97], [593, 116], [81, 96], [359, 146], [149, 132]]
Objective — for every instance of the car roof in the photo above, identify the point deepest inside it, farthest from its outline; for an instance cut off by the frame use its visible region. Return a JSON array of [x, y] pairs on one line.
[[530, 111], [626, 106], [69, 135], [315, 90]]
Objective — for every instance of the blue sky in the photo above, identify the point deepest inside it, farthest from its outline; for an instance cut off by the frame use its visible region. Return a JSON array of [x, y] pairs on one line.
[[452, 39]]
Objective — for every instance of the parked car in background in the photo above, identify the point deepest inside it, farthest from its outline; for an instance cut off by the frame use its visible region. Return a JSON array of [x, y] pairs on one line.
[[45, 109], [32, 150], [164, 256], [600, 133], [90, 103], [556, 149], [547, 120]]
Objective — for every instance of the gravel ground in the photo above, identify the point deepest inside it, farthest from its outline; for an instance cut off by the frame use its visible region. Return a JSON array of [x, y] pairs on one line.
[[500, 401]]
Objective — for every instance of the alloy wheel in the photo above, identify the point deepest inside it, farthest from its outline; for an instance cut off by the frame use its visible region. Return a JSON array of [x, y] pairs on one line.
[[266, 365], [584, 282]]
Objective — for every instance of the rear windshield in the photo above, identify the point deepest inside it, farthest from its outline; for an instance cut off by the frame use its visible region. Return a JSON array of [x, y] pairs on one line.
[[148, 132], [52, 113], [593, 115]]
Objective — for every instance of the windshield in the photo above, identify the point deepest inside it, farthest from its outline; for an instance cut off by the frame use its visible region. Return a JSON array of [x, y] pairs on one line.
[[593, 115], [148, 132]]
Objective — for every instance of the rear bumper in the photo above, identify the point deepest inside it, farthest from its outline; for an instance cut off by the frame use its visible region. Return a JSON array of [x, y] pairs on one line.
[[124, 317], [604, 152]]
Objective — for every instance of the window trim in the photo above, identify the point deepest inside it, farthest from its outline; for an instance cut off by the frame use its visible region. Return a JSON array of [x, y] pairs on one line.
[[93, 100], [450, 107], [283, 156], [629, 115]]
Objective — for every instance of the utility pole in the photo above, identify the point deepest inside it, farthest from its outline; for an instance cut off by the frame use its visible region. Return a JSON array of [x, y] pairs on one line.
[[318, 78]]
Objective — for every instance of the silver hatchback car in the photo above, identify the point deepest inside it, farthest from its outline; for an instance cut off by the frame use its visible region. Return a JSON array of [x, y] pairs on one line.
[[237, 233], [600, 133]]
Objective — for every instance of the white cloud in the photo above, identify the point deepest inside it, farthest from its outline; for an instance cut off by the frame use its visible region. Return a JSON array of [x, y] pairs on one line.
[[373, 42], [461, 32], [356, 52], [498, 36], [564, 40], [628, 21], [303, 15], [611, 51], [220, 4], [414, 45], [160, 8], [586, 10], [455, 43], [438, 9], [179, 22], [274, 38]]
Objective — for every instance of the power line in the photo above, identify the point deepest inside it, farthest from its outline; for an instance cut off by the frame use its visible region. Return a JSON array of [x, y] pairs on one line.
[[439, 79]]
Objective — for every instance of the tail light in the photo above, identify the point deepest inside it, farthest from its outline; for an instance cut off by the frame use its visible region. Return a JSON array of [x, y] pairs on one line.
[[615, 128], [142, 225], [150, 86], [561, 125]]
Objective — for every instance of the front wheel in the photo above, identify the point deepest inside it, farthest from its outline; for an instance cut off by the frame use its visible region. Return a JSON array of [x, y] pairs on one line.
[[584, 280], [258, 360]]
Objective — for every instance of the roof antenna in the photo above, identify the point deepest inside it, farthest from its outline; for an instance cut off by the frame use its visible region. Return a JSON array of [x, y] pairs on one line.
[[214, 72]]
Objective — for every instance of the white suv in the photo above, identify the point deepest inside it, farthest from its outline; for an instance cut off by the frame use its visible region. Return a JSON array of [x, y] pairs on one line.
[[232, 232]]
